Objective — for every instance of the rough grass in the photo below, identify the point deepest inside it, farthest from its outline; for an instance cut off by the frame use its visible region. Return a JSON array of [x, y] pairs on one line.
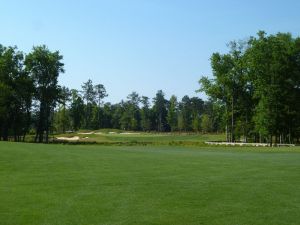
[[93, 185]]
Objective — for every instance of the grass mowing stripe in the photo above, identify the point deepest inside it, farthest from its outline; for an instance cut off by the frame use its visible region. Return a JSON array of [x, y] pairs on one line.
[[61, 184]]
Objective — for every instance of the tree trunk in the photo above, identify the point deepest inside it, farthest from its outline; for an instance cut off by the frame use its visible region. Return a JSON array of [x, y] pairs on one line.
[[232, 120], [47, 123], [5, 131], [226, 130], [271, 141]]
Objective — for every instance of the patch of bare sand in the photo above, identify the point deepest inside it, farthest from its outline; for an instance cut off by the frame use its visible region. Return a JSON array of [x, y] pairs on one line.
[[86, 133], [76, 138]]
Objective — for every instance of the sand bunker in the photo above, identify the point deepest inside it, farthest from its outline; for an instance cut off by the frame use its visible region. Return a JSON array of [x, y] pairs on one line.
[[86, 133], [76, 138], [130, 133]]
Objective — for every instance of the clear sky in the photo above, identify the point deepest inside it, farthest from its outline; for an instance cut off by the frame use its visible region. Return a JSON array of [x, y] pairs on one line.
[[140, 45]]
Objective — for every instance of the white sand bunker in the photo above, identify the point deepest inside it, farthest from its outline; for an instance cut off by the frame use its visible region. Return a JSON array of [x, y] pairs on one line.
[[86, 133], [130, 133], [76, 138], [99, 133]]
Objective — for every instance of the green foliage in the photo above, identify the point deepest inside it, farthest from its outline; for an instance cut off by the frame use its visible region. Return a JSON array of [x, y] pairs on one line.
[[258, 83], [206, 124], [196, 124], [16, 90], [160, 111], [146, 123], [172, 116], [253, 95], [44, 68], [76, 110]]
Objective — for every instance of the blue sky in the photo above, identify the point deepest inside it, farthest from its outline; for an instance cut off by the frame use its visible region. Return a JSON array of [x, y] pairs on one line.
[[140, 45]]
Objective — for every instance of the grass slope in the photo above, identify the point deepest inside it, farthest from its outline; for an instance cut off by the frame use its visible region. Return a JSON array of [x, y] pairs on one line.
[[89, 185]]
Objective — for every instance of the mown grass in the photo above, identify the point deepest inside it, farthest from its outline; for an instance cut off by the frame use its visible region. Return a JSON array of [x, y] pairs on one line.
[[62, 184], [146, 138]]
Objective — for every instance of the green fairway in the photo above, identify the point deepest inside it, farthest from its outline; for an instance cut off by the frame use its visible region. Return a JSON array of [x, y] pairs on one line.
[[150, 138], [94, 185]]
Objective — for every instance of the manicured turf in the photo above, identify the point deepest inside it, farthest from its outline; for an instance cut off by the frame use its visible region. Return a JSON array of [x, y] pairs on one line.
[[93, 185], [153, 138]]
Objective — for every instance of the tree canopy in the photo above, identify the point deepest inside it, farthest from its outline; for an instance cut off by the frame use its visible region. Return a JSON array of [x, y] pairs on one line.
[[258, 83], [253, 96]]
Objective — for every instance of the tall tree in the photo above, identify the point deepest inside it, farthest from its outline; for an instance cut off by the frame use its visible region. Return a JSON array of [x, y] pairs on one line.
[[131, 115], [89, 95], [160, 110], [44, 67], [117, 112], [185, 113], [172, 116], [274, 69], [197, 108], [206, 123], [76, 110], [228, 85], [145, 114], [62, 114], [15, 94], [101, 93]]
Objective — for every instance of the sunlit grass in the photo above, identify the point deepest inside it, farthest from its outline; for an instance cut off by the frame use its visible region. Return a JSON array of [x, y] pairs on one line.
[[79, 185]]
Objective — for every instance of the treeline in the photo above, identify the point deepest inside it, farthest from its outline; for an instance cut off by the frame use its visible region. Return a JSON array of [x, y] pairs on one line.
[[258, 84], [254, 96], [85, 109], [32, 101]]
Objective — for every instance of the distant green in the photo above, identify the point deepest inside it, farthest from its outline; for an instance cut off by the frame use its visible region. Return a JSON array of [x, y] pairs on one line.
[[109, 185]]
